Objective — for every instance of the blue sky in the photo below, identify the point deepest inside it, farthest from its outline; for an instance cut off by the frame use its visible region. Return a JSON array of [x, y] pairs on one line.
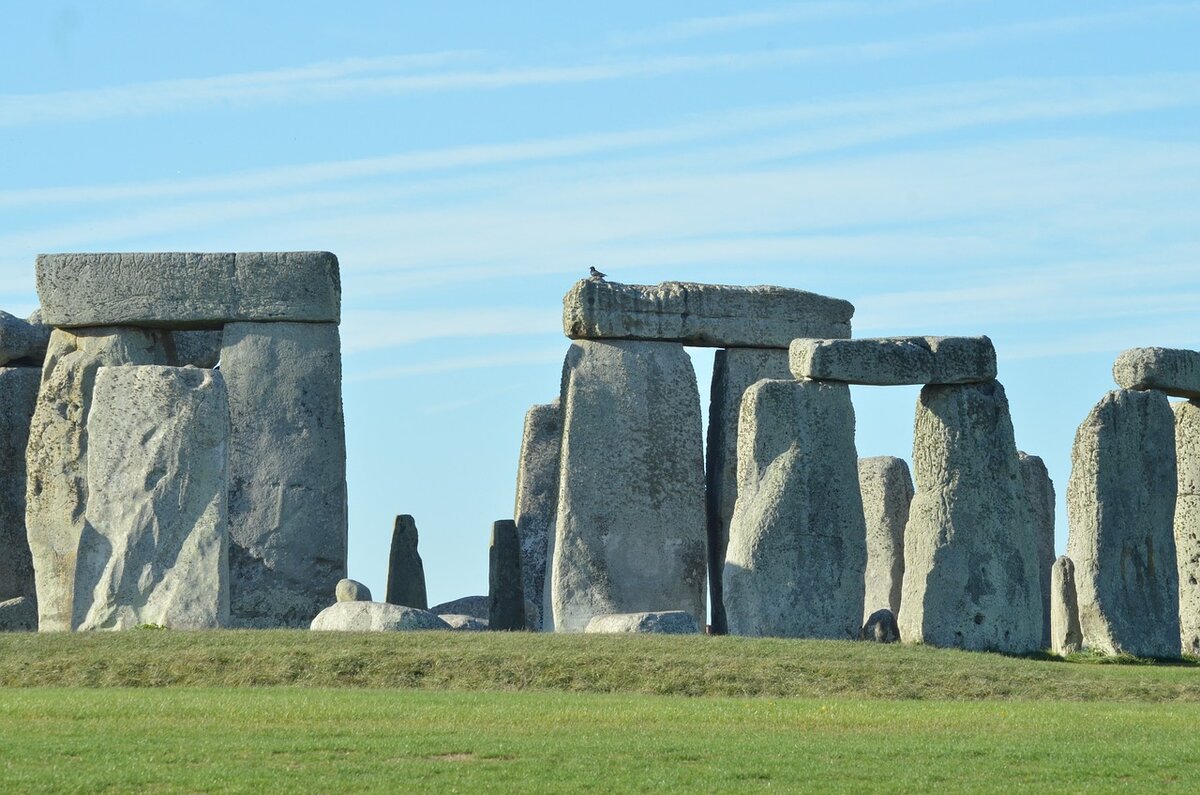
[[1030, 171]]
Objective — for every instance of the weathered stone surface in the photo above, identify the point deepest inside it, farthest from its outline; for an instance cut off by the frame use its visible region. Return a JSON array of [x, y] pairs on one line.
[[886, 361], [1121, 508], [353, 591], [18, 614], [188, 290], [22, 342], [887, 491], [797, 544], [630, 524], [734, 370], [1171, 370], [880, 627], [1187, 522], [476, 606], [970, 557], [56, 493], [702, 314], [287, 470], [537, 504], [374, 617], [1066, 637], [1039, 491], [18, 396], [406, 572], [667, 622], [465, 623], [198, 348], [506, 599], [154, 548]]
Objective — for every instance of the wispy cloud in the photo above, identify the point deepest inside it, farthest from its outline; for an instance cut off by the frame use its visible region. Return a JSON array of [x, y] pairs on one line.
[[369, 330], [513, 359]]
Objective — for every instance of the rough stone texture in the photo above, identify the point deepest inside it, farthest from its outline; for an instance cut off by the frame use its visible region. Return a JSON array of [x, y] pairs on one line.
[[154, 548], [18, 396], [188, 290], [1039, 491], [887, 491], [880, 627], [1121, 509], [353, 591], [1187, 522], [668, 622], [1170, 370], [1066, 636], [22, 342], [734, 370], [702, 314], [406, 572], [536, 505], [287, 471], [970, 556], [797, 544], [197, 348], [56, 493], [374, 617], [884, 361], [18, 614], [630, 526], [475, 606], [506, 599], [465, 623]]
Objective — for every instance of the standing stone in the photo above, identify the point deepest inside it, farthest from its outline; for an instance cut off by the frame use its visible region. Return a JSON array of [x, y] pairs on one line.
[[536, 505], [18, 396], [287, 471], [970, 557], [797, 543], [154, 548], [1039, 491], [352, 591], [406, 572], [734, 370], [887, 492], [1066, 637], [629, 536], [506, 598], [1121, 508], [1187, 522], [56, 493], [18, 614]]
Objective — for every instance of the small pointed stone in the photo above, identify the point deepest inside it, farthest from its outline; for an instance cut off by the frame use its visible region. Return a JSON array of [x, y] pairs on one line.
[[406, 572]]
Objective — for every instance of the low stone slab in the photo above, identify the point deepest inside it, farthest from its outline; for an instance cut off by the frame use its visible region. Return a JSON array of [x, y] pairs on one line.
[[352, 591], [1171, 370], [536, 506], [18, 615], [892, 361], [465, 623], [18, 396], [374, 617], [1066, 636], [887, 492], [702, 314], [188, 290], [22, 342], [1187, 522], [667, 622], [476, 606]]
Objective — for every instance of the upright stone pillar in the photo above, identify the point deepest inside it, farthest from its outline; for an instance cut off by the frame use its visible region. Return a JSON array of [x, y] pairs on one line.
[[887, 492], [18, 396], [56, 493], [970, 557], [536, 506], [506, 598], [1187, 522], [1066, 637], [734, 370], [1039, 491], [287, 471], [797, 542], [1121, 508], [630, 531], [154, 546], [406, 572]]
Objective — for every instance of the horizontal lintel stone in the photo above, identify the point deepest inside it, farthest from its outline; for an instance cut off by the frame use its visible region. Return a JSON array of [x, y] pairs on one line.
[[1172, 370], [188, 290], [894, 361], [708, 315]]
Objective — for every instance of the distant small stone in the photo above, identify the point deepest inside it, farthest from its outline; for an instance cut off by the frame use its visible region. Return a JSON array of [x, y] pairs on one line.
[[476, 606], [666, 622], [881, 627], [18, 615], [465, 623], [352, 591], [375, 617]]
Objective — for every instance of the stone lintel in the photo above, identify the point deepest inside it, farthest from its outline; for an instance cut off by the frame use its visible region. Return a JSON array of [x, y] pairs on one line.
[[895, 361]]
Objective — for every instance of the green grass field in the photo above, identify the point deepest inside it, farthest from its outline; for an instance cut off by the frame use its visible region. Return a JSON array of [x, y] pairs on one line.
[[253, 711]]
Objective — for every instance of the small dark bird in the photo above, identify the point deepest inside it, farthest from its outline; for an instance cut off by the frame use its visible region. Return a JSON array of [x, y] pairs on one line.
[[595, 275]]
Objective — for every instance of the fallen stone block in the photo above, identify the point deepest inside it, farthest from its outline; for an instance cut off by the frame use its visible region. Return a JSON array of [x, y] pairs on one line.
[[1171, 370], [506, 600], [374, 617], [18, 614], [887, 491], [881, 627], [22, 343], [1039, 491], [1066, 636], [536, 506], [18, 396], [352, 591], [406, 572], [667, 622], [188, 290], [885, 361], [465, 623], [702, 314], [475, 606], [1187, 522]]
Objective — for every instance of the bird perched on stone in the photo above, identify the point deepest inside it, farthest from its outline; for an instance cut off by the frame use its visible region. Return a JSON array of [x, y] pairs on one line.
[[595, 275]]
